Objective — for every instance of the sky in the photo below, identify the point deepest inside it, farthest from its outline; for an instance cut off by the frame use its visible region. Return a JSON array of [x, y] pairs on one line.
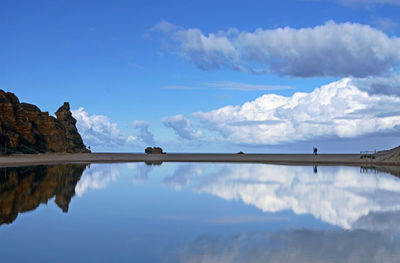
[[211, 76]]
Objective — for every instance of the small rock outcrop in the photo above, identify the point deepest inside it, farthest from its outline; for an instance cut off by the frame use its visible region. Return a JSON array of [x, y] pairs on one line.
[[24, 128], [154, 150]]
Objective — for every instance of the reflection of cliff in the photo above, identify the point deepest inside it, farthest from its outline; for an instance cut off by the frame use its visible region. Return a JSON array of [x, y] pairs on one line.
[[393, 169], [23, 189]]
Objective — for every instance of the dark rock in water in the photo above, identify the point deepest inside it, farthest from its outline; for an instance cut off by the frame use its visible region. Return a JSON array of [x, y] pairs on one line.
[[24, 128], [23, 189]]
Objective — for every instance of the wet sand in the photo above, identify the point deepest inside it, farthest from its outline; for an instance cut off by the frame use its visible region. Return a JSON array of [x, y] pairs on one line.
[[289, 159]]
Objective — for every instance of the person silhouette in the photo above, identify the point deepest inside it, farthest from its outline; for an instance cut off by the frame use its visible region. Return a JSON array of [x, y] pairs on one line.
[[315, 151]]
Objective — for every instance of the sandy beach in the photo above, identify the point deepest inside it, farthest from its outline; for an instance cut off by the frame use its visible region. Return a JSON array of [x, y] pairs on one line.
[[291, 159]]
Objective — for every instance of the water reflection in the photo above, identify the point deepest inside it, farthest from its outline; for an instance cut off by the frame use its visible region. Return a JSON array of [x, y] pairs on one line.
[[181, 213], [23, 189], [336, 195], [294, 246], [343, 196], [96, 177]]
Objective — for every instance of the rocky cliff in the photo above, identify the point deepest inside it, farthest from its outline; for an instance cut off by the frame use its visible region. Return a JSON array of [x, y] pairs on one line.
[[24, 128]]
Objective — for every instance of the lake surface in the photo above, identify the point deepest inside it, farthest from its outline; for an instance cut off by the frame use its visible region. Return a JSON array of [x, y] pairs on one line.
[[198, 212]]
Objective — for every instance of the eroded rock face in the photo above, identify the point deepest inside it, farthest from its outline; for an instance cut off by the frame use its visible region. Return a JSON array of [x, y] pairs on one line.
[[24, 128], [23, 189]]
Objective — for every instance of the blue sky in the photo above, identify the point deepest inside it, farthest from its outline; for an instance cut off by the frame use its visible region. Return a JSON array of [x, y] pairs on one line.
[[211, 76]]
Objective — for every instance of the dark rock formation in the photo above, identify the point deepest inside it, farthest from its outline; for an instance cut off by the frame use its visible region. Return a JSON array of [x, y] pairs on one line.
[[23, 189], [154, 150], [26, 129]]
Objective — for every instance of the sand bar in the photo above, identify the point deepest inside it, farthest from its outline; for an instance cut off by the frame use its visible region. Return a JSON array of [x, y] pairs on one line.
[[290, 159]]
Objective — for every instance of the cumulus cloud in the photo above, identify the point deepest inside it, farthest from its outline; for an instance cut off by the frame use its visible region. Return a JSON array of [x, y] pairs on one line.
[[97, 130], [340, 109], [331, 49], [145, 136], [182, 127], [340, 196]]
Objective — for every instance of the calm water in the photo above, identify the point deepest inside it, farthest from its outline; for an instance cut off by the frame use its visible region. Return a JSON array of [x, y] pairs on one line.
[[189, 212]]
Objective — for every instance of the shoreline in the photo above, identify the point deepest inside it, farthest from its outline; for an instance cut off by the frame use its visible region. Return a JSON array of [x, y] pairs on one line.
[[283, 159]]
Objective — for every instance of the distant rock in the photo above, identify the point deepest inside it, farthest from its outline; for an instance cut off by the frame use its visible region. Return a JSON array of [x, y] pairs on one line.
[[154, 150], [24, 128]]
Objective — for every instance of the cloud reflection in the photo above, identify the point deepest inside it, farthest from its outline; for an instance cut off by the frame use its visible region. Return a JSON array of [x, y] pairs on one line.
[[294, 246], [99, 176], [182, 176], [96, 176], [336, 195]]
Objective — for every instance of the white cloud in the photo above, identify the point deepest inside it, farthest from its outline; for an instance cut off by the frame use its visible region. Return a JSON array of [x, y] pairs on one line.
[[97, 130], [331, 49], [339, 109], [182, 127], [145, 136]]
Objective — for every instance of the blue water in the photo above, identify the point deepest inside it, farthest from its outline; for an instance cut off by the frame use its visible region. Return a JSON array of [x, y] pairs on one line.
[[190, 212]]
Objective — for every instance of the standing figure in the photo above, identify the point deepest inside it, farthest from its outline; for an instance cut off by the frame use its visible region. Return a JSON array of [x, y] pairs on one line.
[[315, 151]]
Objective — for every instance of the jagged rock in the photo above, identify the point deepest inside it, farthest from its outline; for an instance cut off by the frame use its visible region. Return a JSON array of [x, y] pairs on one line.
[[24, 128]]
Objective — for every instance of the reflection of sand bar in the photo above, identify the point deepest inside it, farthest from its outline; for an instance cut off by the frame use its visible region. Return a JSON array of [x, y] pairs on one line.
[[291, 159]]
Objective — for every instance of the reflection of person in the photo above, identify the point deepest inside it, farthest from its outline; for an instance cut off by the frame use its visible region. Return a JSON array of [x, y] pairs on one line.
[[315, 169], [315, 151]]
